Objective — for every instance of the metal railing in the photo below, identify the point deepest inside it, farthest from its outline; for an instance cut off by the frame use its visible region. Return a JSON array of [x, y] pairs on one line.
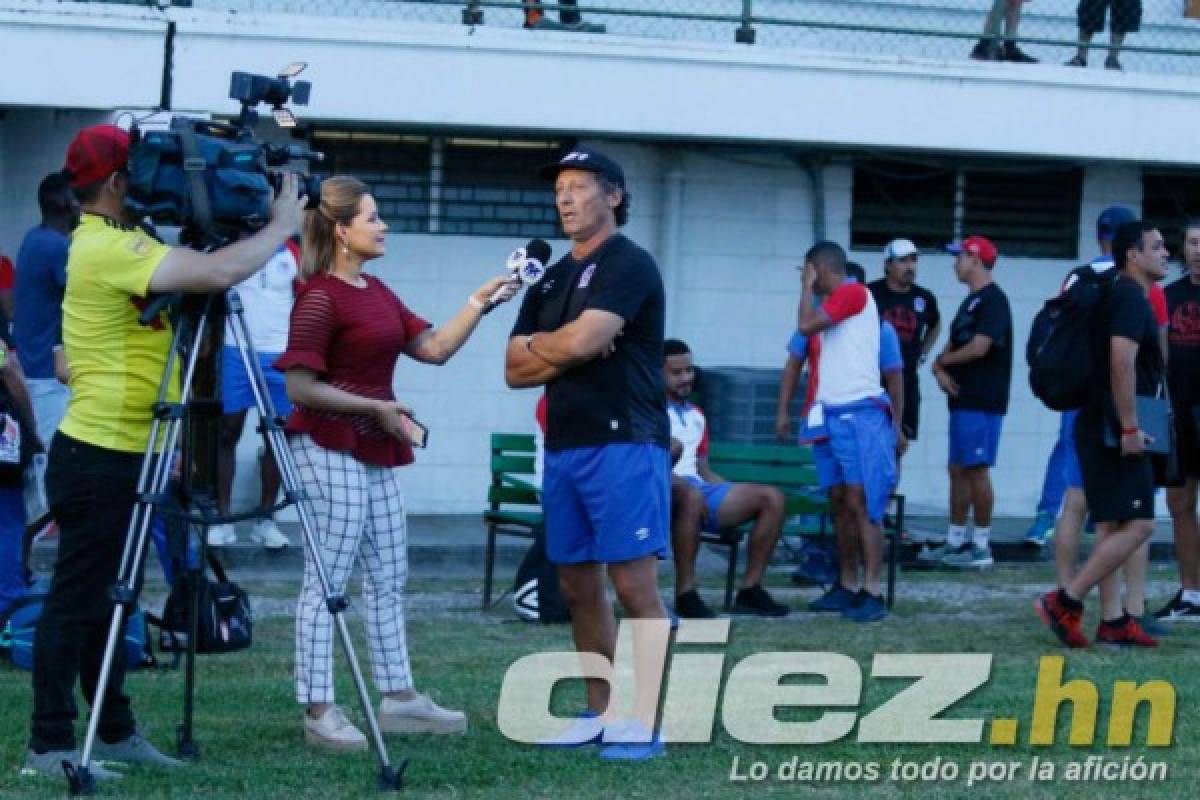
[[1166, 41]]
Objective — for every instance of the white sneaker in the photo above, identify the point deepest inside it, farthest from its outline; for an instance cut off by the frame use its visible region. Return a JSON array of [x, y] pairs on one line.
[[267, 533], [419, 715], [332, 731], [221, 535]]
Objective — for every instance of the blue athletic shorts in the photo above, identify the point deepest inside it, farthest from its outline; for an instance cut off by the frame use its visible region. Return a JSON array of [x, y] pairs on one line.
[[607, 504], [974, 438], [714, 495], [1072, 473], [235, 383], [860, 451]]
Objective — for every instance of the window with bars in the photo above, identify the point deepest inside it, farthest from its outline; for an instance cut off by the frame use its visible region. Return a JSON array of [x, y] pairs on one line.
[[450, 185], [896, 199], [1169, 200], [396, 167], [1026, 211], [495, 188]]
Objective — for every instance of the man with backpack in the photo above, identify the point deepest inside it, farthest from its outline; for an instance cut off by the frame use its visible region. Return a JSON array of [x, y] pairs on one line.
[[1069, 530], [974, 370], [1126, 362]]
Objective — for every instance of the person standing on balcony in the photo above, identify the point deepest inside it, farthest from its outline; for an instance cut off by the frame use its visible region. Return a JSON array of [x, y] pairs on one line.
[[1124, 16], [991, 47]]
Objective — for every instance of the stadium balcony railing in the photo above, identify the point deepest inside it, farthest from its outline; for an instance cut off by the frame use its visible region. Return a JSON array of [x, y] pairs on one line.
[[876, 30]]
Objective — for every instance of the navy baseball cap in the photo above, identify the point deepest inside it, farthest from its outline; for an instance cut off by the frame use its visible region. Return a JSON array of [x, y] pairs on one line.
[[1110, 219], [589, 160]]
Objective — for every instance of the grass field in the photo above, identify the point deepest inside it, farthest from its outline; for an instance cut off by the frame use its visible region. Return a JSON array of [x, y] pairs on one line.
[[248, 724]]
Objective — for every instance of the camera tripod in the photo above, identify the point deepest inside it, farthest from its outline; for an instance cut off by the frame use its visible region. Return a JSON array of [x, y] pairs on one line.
[[197, 339]]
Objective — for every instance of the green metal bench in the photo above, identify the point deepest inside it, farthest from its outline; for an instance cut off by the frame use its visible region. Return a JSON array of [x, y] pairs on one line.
[[514, 507], [514, 502]]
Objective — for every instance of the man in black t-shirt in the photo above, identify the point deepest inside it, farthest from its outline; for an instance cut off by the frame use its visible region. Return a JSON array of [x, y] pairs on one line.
[[1183, 376], [1117, 481], [592, 332], [974, 370], [913, 312]]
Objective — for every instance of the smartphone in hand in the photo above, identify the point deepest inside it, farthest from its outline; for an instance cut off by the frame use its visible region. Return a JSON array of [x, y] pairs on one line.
[[417, 433]]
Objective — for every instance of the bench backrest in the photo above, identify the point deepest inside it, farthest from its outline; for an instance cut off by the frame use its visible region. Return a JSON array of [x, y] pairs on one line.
[[786, 467], [512, 464]]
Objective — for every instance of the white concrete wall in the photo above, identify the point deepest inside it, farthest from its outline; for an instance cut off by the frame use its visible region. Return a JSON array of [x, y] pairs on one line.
[[390, 71], [33, 142]]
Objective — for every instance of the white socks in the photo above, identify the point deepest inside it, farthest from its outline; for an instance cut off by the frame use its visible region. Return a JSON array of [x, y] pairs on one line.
[[981, 537], [956, 536]]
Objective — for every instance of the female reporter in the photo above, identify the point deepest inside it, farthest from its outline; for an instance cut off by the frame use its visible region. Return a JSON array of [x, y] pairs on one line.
[[348, 434]]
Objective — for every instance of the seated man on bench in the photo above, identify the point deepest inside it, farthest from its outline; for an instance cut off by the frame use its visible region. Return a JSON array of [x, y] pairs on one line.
[[702, 500]]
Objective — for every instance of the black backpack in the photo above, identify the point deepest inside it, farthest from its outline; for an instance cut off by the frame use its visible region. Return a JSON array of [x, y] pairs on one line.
[[536, 596], [1059, 351]]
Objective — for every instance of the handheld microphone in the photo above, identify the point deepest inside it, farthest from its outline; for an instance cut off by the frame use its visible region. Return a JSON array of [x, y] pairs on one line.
[[526, 266]]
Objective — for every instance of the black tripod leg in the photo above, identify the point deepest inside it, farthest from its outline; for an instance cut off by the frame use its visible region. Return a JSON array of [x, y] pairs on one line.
[[185, 743]]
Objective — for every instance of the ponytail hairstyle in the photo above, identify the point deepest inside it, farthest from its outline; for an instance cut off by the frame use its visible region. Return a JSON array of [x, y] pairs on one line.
[[341, 197]]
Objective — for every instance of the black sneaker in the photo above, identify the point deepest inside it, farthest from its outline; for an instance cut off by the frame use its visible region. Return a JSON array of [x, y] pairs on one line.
[[755, 600], [1016, 54], [987, 50], [1178, 610], [1112, 63], [689, 606]]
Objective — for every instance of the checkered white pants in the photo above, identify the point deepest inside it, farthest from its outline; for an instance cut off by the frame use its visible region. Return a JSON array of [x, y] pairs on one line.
[[359, 514]]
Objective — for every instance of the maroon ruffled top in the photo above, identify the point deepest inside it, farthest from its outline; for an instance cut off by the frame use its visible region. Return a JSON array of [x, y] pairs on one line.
[[352, 338]]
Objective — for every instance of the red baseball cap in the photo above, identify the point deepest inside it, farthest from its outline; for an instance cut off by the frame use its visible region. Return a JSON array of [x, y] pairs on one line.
[[977, 246], [95, 153]]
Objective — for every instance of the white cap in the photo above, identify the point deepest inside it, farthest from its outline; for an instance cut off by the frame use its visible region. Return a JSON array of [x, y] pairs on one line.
[[899, 248]]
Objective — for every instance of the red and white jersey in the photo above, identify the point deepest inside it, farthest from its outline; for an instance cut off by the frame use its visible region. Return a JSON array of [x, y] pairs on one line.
[[846, 364], [267, 297], [689, 426]]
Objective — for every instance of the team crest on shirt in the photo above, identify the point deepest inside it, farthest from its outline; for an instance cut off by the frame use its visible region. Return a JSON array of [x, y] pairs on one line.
[[139, 246], [586, 277], [919, 304]]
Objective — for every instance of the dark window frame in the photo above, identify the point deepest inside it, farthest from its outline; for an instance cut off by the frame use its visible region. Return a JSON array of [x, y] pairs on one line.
[[454, 185], [934, 202]]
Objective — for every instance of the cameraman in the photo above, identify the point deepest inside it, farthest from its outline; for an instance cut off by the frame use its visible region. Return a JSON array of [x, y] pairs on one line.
[[116, 368]]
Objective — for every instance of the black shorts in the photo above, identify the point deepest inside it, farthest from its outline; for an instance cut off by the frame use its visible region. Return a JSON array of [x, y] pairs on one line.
[[1117, 488], [1187, 439], [1124, 16]]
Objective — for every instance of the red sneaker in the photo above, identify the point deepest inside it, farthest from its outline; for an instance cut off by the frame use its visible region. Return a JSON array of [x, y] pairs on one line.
[[1124, 633], [1066, 623]]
